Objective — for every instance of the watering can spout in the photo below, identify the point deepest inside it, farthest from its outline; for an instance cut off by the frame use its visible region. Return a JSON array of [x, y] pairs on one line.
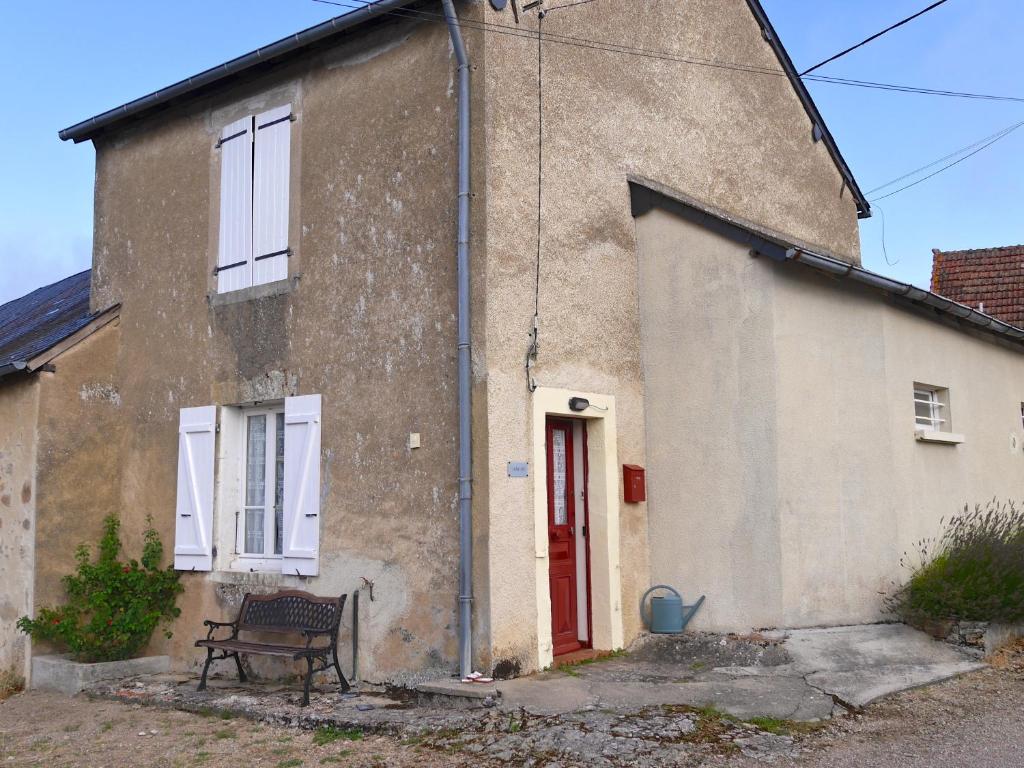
[[666, 614]]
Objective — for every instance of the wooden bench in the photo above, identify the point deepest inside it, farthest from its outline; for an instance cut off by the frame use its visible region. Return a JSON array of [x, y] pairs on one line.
[[290, 612]]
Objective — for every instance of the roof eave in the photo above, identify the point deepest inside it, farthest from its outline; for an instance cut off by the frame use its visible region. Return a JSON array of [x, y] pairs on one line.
[[863, 206]]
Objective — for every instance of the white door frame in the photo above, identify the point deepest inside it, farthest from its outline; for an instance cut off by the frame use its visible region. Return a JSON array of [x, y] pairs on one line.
[[605, 576]]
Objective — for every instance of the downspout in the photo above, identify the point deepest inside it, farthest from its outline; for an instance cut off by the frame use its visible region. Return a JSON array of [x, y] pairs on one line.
[[465, 452]]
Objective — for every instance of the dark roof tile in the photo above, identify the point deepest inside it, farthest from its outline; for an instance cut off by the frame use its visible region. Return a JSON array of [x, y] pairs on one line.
[[988, 277], [37, 321]]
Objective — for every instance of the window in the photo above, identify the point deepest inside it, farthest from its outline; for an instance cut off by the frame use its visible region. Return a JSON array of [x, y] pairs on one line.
[[928, 408], [249, 488], [932, 418], [255, 158], [261, 525]]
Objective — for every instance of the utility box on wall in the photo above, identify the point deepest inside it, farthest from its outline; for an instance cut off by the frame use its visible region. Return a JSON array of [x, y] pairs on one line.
[[634, 483]]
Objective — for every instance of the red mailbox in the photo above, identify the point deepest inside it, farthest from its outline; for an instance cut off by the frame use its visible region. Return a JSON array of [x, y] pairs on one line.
[[634, 483]]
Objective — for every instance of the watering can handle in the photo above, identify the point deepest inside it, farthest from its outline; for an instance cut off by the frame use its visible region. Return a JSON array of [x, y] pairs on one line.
[[645, 615]]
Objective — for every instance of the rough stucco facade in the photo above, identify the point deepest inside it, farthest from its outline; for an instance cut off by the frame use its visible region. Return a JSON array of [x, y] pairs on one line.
[[18, 405], [739, 141], [366, 319], [785, 478]]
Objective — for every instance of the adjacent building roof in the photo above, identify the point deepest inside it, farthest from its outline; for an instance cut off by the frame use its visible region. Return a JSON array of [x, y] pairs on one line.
[[646, 194], [301, 42], [39, 321], [989, 279]]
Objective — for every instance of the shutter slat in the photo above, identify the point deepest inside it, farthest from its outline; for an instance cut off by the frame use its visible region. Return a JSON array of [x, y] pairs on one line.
[[193, 529], [271, 180], [301, 485], [234, 255]]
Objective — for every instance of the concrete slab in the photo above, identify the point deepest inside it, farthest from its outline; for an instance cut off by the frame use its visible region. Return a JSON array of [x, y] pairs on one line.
[[61, 673], [794, 675], [861, 664], [457, 688]]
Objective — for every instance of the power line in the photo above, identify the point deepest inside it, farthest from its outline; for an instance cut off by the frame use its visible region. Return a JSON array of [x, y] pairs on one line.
[[611, 47], [985, 143], [898, 179], [873, 37]]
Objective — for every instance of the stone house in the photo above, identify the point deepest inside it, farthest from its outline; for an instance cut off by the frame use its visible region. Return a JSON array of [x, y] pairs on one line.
[[658, 263]]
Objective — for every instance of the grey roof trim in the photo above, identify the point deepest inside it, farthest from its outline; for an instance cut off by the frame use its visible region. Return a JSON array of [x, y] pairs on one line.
[[16, 367], [645, 195], [863, 206], [88, 129]]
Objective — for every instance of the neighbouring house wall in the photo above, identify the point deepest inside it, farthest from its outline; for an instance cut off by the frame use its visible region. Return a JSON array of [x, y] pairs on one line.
[[368, 322], [19, 401], [785, 481], [736, 140]]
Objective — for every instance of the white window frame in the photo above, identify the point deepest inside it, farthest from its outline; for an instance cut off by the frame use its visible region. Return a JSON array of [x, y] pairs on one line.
[[268, 560], [930, 397], [936, 427]]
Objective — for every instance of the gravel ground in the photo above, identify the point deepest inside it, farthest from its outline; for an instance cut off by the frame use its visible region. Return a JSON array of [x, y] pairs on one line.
[[56, 731], [976, 720]]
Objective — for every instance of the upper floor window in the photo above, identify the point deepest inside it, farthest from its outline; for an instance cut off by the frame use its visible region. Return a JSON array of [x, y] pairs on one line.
[[255, 159]]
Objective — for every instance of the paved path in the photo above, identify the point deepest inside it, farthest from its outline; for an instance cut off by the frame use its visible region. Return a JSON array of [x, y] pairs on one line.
[[976, 721], [790, 675]]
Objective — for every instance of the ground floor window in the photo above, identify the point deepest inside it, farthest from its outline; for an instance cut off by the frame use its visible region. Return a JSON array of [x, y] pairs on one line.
[[262, 525]]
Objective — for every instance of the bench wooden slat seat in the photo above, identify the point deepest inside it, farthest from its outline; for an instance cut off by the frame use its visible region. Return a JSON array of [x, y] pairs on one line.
[[290, 612]]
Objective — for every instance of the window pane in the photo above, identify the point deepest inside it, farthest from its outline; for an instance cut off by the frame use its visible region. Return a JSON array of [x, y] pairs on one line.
[[560, 469], [256, 462], [279, 486], [254, 531]]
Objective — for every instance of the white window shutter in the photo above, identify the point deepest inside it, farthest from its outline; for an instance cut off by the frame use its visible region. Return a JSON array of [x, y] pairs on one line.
[[301, 485], [271, 175], [234, 254], [193, 531]]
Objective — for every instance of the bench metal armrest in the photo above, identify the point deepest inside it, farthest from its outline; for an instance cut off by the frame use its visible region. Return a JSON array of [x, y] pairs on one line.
[[215, 625]]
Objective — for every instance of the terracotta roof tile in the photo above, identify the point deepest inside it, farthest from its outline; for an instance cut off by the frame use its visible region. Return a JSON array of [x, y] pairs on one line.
[[991, 279]]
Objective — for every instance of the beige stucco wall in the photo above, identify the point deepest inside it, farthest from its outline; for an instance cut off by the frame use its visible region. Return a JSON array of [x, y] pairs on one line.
[[19, 400], [785, 479], [368, 322], [739, 141]]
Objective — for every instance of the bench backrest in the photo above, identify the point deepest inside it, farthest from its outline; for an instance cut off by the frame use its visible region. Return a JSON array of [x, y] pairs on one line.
[[291, 611]]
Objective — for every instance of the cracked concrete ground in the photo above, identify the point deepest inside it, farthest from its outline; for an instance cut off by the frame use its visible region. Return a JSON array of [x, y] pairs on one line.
[[806, 674], [659, 706]]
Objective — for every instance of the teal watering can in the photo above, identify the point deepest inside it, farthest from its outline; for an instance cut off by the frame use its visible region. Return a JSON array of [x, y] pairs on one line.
[[666, 614]]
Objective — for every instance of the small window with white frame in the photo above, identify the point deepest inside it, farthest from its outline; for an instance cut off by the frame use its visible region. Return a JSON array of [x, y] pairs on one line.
[[929, 408], [932, 418]]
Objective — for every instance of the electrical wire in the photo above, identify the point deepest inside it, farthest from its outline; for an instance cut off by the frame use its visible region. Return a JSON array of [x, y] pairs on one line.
[[611, 47], [873, 37], [1001, 135], [534, 348], [898, 179]]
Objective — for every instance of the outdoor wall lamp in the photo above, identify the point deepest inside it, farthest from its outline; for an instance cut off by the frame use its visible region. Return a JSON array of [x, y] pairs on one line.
[[578, 404]]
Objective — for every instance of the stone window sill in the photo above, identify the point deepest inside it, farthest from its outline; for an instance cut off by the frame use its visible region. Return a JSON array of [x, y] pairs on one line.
[[266, 290], [935, 436]]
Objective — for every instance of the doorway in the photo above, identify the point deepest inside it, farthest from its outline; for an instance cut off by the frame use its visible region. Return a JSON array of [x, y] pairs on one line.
[[568, 540]]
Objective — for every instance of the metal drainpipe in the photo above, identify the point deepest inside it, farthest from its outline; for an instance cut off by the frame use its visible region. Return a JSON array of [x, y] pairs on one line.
[[465, 453]]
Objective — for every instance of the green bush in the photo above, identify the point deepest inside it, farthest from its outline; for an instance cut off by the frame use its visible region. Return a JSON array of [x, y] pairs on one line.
[[113, 607], [974, 571]]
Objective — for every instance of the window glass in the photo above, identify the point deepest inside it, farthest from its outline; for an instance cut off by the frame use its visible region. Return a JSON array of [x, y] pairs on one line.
[[255, 484], [279, 485]]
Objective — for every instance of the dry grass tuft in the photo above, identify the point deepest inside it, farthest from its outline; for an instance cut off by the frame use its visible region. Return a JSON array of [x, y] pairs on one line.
[[10, 684]]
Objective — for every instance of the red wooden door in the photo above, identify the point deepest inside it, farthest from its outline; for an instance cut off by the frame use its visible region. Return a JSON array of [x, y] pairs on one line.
[[562, 537]]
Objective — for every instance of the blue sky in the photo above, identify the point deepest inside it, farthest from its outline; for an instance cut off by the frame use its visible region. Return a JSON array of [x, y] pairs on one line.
[[63, 61]]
